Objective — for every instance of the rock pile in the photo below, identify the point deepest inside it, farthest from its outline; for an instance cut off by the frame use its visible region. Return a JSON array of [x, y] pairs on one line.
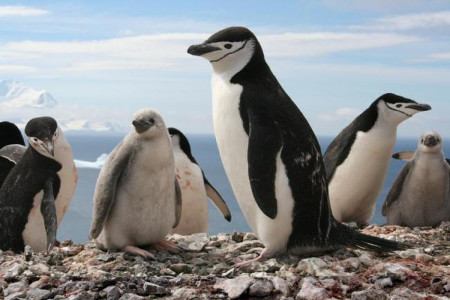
[[204, 269]]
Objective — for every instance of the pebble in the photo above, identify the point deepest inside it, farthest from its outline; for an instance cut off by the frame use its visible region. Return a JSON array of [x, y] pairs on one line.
[[205, 269]]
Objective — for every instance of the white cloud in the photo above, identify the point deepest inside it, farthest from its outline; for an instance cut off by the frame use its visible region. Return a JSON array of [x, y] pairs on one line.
[[16, 69], [340, 114], [14, 94], [168, 51], [428, 20], [21, 11]]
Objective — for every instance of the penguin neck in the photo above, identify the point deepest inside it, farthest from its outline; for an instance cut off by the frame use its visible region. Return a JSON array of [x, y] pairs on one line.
[[43, 161]]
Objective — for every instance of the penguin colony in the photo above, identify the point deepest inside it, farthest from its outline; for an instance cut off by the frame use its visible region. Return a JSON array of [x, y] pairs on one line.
[[294, 199]]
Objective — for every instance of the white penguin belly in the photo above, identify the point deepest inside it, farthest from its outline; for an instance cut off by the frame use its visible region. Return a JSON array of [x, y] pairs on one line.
[[34, 234], [194, 212], [357, 182], [144, 208], [232, 142]]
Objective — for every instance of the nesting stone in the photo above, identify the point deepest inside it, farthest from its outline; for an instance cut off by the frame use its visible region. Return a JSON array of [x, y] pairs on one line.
[[260, 288], [369, 294], [234, 287], [311, 290], [154, 289], [38, 294]]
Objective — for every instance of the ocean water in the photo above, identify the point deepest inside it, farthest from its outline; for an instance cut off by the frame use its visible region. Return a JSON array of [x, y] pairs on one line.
[[77, 220]]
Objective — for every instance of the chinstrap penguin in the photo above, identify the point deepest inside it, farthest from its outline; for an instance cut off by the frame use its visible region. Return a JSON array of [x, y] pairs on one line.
[[37, 191], [357, 160], [9, 135], [137, 199], [420, 196], [270, 153], [195, 188]]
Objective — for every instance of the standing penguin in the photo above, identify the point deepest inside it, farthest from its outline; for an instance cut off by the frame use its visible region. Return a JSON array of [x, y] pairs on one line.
[[137, 199], [9, 135], [420, 196], [28, 216], [195, 188], [34, 233], [357, 160], [270, 153]]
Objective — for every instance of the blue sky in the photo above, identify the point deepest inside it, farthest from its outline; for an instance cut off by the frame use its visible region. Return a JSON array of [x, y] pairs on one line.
[[103, 60]]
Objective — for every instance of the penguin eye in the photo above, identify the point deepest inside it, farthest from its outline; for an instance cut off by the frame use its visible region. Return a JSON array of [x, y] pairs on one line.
[[228, 46], [399, 105]]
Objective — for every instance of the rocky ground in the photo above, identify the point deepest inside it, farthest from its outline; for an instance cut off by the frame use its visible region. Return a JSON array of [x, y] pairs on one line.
[[204, 270]]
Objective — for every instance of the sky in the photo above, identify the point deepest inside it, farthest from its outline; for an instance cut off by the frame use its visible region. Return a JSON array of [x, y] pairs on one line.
[[104, 60]]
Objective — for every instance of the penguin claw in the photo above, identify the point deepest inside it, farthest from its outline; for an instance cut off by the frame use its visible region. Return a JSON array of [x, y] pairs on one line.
[[264, 255], [138, 251], [165, 245]]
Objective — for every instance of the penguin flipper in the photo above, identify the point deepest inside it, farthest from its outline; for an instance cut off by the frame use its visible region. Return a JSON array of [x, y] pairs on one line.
[[48, 210], [264, 145], [396, 189], [9, 156], [217, 199], [10, 134], [105, 189], [404, 155], [178, 203], [338, 151]]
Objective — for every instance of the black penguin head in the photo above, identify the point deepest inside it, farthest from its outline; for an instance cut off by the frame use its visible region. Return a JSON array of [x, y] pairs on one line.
[[10, 134], [42, 134], [230, 48], [147, 122], [430, 142], [179, 140], [396, 108]]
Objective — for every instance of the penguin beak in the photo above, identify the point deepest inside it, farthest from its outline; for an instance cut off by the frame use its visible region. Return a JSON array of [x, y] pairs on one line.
[[419, 107], [200, 49], [430, 141], [49, 147], [141, 126]]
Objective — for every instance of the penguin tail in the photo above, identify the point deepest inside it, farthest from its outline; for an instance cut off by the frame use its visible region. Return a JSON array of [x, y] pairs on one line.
[[346, 236]]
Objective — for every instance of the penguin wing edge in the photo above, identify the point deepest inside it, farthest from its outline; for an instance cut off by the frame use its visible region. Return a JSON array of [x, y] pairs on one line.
[[217, 199], [396, 189], [178, 203], [404, 155], [106, 187], [10, 155], [338, 151], [265, 142]]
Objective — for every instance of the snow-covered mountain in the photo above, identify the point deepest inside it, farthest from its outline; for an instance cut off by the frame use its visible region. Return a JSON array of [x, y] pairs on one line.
[[15, 94], [86, 126]]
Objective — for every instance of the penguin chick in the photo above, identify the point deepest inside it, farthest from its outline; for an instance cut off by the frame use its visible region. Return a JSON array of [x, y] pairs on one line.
[[420, 196], [137, 199]]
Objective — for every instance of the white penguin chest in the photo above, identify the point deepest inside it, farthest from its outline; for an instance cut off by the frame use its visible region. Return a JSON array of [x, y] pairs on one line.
[[357, 182], [232, 141], [194, 213]]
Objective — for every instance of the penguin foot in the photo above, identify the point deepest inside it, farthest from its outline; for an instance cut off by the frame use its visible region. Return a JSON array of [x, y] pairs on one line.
[[138, 251], [165, 245], [264, 255]]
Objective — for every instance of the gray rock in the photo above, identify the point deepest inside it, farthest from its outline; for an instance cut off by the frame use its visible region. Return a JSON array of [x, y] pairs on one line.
[[18, 295], [81, 296], [406, 294], [185, 294], [28, 253], [15, 287], [393, 270], [131, 296], [112, 292], [105, 257], [234, 287], [311, 290], [40, 269], [181, 268], [280, 285], [15, 270], [384, 282], [38, 294], [369, 294], [154, 289], [193, 242], [316, 267], [260, 288]]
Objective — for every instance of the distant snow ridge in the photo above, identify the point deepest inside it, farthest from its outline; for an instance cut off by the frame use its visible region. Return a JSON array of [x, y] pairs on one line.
[[15, 94], [98, 164], [85, 125]]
